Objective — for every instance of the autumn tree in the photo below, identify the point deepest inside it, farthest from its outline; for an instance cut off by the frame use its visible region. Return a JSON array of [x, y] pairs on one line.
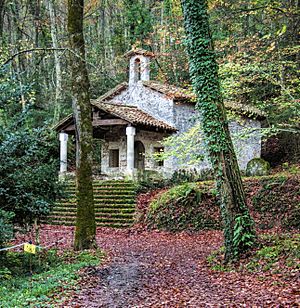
[[239, 229], [85, 219]]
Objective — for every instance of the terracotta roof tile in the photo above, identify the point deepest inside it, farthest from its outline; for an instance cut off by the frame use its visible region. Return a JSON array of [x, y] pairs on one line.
[[140, 117], [177, 93], [171, 91], [139, 51], [133, 115]]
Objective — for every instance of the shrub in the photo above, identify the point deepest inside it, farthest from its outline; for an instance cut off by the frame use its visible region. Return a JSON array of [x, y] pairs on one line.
[[28, 176], [6, 226], [184, 207]]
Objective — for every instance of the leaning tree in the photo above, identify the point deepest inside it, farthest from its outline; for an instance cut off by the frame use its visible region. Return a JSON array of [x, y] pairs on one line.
[[238, 226]]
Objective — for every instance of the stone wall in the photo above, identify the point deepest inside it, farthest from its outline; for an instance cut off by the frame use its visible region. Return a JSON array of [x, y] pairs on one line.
[[182, 116], [153, 102], [246, 136]]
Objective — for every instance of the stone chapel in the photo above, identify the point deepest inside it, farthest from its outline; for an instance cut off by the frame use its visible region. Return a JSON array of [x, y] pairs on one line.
[[132, 119]]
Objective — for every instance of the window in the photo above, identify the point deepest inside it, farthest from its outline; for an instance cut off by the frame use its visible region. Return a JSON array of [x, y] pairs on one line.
[[114, 158], [157, 151]]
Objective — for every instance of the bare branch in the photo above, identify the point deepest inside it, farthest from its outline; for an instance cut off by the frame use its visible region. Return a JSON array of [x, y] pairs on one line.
[[248, 10], [38, 49], [29, 51]]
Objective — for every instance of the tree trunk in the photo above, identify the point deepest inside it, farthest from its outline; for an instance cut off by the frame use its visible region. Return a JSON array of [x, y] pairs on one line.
[[58, 73], [85, 220], [239, 231], [2, 2]]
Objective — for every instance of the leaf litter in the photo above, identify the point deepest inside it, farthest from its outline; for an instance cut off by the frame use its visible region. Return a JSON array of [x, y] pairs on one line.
[[161, 269]]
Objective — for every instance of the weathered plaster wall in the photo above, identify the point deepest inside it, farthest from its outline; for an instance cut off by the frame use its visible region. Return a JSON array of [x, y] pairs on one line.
[[144, 69], [184, 116], [153, 102], [246, 136]]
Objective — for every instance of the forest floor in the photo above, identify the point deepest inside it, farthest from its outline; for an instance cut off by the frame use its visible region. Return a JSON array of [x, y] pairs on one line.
[[160, 269]]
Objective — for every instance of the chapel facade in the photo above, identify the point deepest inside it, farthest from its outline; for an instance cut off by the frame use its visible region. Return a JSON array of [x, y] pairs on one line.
[[132, 119]]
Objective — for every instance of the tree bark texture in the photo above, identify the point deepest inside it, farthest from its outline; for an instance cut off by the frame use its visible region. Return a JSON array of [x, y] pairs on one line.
[[239, 231], [85, 220], [58, 71], [2, 2]]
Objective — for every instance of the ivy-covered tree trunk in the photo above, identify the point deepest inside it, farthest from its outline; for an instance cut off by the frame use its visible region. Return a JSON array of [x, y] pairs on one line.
[[85, 220], [239, 229]]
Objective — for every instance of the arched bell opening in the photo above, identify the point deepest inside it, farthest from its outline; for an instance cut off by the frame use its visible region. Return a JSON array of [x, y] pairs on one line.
[[137, 69]]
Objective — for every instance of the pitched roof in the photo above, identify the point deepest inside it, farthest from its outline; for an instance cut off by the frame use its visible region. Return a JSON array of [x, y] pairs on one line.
[[139, 51], [113, 92], [133, 115], [140, 117], [63, 122], [180, 94], [171, 91]]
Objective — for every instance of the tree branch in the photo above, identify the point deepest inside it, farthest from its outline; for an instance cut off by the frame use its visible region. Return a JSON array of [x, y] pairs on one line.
[[29, 51], [38, 49], [260, 8]]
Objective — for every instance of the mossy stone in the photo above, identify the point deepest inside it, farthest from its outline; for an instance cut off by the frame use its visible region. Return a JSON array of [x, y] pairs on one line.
[[257, 167]]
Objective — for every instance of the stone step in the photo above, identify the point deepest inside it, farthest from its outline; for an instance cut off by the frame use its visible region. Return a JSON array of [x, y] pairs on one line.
[[97, 197], [114, 204], [100, 219], [107, 185], [98, 224], [98, 214], [102, 204], [97, 210]]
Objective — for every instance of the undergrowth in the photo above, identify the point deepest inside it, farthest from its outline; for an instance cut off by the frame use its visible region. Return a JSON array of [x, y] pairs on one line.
[[189, 206], [274, 201], [32, 281], [275, 254]]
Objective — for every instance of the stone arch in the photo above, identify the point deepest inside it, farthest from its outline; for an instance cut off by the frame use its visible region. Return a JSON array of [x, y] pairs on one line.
[[139, 155]]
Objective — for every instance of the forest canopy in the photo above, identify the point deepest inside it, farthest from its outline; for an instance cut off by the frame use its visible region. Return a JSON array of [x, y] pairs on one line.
[[257, 43]]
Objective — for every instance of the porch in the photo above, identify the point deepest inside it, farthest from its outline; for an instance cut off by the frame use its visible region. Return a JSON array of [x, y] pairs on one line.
[[128, 136]]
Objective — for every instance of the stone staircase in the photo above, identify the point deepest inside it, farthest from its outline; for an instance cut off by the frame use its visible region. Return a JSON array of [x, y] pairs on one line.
[[114, 205]]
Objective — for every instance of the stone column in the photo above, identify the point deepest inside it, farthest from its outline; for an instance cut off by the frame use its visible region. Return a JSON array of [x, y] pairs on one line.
[[130, 133], [63, 138]]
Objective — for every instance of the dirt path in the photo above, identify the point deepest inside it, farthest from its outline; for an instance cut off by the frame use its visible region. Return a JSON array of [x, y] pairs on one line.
[[154, 269]]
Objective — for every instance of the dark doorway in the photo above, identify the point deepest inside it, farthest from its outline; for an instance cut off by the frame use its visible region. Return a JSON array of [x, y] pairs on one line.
[[139, 155]]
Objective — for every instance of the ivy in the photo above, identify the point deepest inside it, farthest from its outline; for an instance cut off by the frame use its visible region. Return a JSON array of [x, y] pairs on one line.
[[239, 232]]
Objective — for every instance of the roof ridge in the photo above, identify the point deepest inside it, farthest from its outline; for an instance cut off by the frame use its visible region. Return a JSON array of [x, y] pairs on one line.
[[114, 104]]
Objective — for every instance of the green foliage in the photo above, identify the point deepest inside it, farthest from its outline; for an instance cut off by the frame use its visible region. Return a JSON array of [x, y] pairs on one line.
[[274, 248], [153, 181], [242, 238], [183, 207], [259, 50], [28, 173], [273, 200], [276, 254], [138, 20], [206, 84], [6, 226], [51, 273]]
